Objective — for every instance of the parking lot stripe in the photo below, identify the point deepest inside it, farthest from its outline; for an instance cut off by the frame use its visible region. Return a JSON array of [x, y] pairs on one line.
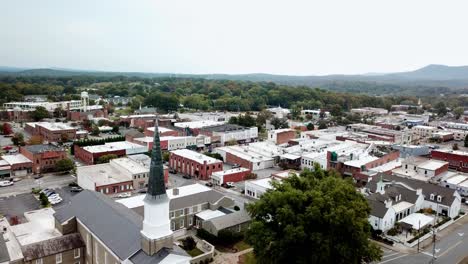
[[393, 258], [386, 256]]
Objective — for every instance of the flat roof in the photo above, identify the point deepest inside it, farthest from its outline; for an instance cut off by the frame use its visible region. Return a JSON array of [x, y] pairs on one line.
[[198, 124], [417, 220], [52, 126], [103, 174], [432, 164], [195, 156], [132, 166], [40, 227], [119, 145], [160, 128], [209, 214], [403, 205], [357, 163], [231, 171], [457, 179], [15, 159], [264, 183], [139, 116]]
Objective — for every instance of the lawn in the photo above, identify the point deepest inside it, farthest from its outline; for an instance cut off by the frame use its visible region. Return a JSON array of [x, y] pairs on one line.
[[248, 258], [194, 252], [241, 245]]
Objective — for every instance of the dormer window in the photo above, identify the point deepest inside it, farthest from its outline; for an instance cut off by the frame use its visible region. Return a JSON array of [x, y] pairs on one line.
[[439, 198], [432, 196]]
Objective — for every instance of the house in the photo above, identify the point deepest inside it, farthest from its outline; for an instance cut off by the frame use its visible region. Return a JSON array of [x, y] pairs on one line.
[[44, 156], [443, 200], [237, 222], [184, 203], [194, 164]]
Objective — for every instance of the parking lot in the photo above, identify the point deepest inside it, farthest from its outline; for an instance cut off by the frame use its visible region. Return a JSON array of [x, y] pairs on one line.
[[17, 205]]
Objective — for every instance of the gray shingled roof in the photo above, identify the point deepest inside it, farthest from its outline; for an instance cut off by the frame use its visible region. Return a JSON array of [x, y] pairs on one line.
[[52, 246], [377, 205], [197, 198], [142, 258], [228, 220], [42, 148], [114, 224], [427, 188]]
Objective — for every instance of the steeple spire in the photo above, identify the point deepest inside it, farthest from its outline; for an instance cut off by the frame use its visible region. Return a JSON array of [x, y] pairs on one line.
[[156, 184]]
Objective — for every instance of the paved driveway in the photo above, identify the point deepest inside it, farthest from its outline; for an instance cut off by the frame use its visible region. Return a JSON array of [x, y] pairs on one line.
[[18, 205]]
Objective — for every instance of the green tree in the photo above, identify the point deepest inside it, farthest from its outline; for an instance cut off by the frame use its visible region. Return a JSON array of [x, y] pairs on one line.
[[18, 139], [166, 155], [39, 113], [115, 128], [44, 200], [466, 141], [458, 112], [316, 217], [279, 123], [95, 131], [441, 108], [64, 165], [322, 125], [6, 129], [106, 158], [295, 112], [310, 126]]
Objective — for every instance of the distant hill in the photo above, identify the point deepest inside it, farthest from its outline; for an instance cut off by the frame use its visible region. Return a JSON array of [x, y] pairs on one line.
[[430, 80]]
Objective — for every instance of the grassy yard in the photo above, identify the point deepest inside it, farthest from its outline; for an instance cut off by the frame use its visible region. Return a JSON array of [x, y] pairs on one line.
[[195, 252], [248, 258], [241, 245]]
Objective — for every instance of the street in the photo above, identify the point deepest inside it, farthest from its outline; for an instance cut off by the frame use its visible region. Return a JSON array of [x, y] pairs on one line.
[[26, 185], [451, 247]]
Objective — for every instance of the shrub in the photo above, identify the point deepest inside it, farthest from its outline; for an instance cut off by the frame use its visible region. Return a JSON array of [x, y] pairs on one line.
[[392, 232], [236, 208], [189, 243]]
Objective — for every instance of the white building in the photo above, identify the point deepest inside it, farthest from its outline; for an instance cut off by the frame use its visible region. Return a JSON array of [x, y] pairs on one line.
[[315, 113], [457, 182], [198, 124], [420, 168], [256, 188], [423, 131], [49, 106], [279, 112]]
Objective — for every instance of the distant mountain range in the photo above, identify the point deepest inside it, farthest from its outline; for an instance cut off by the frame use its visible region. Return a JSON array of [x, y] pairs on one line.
[[440, 78]]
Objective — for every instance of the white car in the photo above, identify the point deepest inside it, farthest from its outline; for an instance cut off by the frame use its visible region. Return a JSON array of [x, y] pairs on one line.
[[55, 200], [124, 195], [230, 184], [6, 183]]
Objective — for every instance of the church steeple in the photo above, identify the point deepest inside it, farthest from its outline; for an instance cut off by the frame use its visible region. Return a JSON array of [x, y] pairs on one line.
[[156, 232], [156, 184]]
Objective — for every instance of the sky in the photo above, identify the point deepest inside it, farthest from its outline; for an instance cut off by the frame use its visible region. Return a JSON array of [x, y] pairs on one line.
[[238, 36]]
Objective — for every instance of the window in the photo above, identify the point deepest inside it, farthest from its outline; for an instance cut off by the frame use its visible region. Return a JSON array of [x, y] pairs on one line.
[[172, 226], [88, 244], [39, 261], [58, 258], [190, 221], [439, 198], [171, 214], [432, 196], [76, 252], [182, 223], [96, 253]]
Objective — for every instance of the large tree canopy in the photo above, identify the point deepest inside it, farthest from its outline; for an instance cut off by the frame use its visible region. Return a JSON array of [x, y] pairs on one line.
[[316, 217]]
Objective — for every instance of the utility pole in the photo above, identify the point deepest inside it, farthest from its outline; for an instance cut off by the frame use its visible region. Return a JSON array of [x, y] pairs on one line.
[[419, 232]]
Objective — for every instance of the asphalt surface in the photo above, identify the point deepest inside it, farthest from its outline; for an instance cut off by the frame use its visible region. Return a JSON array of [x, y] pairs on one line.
[[451, 247], [26, 185]]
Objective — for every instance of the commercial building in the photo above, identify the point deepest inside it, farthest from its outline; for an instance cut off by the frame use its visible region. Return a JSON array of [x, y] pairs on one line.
[[184, 204], [254, 157], [279, 112], [15, 166], [281, 136], [139, 121], [232, 175], [198, 124], [163, 132], [457, 182], [412, 150], [173, 143], [90, 154], [49, 106], [423, 131], [369, 111], [194, 164], [458, 160], [51, 132], [44, 157], [315, 114], [420, 168], [228, 132]]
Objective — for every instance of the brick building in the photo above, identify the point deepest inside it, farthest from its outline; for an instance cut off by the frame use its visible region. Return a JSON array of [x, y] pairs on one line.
[[163, 132], [15, 165], [81, 116], [90, 154], [44, 157], [194, 164], [281, 136], [458, 160], [232, 175], [51, 132]]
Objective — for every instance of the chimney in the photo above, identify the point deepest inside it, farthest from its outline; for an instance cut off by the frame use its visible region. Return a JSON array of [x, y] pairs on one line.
[[175, 191]]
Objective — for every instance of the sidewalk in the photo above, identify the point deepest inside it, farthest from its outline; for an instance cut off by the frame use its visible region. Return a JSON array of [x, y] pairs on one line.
[[229, 258]]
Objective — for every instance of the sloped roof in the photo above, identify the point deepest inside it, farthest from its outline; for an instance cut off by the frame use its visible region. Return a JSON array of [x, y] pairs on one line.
[[52, 246], [4, 255], [377, 204], [114, 224], [228, 220]]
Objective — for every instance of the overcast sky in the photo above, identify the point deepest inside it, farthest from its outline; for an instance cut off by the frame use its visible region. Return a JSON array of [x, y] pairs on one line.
[[237, 36]]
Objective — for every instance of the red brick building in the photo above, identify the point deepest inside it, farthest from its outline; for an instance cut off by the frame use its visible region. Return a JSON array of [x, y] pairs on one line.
[[281, 136], [458, 160], [15, 165], [90, 154], [163, 132], [194, 164], [51, 132], [81, 116], [232, 175], [44, 157]]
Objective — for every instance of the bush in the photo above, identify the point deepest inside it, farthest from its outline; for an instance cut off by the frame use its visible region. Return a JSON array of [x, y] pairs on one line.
[[189, 243], [236, 208], [44, 200], [392, 232]]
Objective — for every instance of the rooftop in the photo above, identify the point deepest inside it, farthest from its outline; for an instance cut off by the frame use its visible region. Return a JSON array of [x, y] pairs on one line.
[[52, 126], [209, 214], [198, 124], [160, 128], [264, 183], [103, 174], [40, 227], [112, 146], [195, 156], [35, 149], [130, 165], [231, 171], [15, 159]]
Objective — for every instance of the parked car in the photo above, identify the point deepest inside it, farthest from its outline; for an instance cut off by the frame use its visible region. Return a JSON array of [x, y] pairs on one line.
[[187, 177], [76, 189], [230, 184], [16, 179], [209, 184], [55, 200], [235, 166], [38, 176], [45, 190], [173, 171], [6, 183], [142, 190], [124, 195]]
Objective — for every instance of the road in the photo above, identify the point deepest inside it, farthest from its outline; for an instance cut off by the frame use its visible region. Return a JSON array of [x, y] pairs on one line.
[[25, 185], [451, 248]]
